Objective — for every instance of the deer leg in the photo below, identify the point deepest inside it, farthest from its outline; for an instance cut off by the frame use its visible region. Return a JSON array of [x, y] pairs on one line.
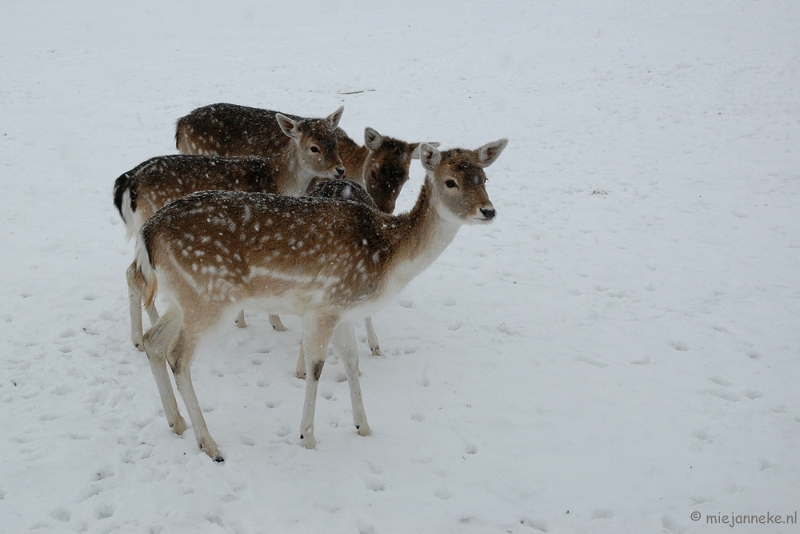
[[344, 341], [372, 337], [240, 322], [156, 343], [152, 312], [300, 371], [275, 321], [180, 359], [317, 332], [135, 292], [135, 284]]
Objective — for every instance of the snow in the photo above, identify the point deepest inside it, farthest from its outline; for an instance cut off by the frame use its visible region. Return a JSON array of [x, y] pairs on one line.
[[617, 350]]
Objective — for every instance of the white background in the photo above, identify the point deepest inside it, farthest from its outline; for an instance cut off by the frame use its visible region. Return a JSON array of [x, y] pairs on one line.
[[617, 350]]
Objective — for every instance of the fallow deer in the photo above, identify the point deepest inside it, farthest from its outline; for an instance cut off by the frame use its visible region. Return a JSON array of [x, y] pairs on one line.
[[298, 149], [328, 261], [380, 166], [158, 181]]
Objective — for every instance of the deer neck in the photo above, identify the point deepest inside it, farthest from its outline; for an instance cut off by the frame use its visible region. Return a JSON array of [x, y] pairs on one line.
[[353, 157], [292, 179], [419, 237]]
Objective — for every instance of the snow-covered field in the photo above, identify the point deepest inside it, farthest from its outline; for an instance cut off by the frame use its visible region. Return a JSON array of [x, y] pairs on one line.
[[617, 351]]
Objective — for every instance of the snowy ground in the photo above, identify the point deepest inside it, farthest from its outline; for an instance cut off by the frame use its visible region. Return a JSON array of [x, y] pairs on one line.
[[618, 350]]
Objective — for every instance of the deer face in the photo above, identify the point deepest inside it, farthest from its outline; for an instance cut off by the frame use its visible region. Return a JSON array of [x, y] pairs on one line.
[[459, 181], [386, 167], [316, 142]]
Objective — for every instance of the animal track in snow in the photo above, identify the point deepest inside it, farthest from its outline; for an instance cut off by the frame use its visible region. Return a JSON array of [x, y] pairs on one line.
[[61, 514], [724, 395], [721, 381], [679, 345], [507, 330]]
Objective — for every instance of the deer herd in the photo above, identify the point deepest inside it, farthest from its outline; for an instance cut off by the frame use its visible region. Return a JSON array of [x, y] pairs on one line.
[[287, 215]]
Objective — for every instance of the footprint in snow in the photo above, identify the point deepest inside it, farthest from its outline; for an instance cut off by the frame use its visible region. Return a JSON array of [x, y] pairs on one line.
[[679, 345], [507, 330], [720, 381], [61, 514]]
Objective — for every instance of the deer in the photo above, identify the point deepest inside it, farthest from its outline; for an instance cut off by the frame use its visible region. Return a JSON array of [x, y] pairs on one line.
[[158, 181], [381, 166], [302, 149], [328, 261], [299, 149]]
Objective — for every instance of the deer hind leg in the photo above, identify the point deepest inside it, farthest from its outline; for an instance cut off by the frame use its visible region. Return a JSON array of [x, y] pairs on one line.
[[135, 304], [135, 293], [372, 337], [275, 321], [300, 370], [157, 342], [240, 322], [344, 342], [180, 360], [317, 331]]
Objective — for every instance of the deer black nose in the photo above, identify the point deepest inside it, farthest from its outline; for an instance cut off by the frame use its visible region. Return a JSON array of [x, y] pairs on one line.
[[340, 171], [488, 213]]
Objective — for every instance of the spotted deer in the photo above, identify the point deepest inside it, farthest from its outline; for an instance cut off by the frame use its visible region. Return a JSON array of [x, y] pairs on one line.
[[297, 149], [158, 181], [380, 166], [328, 261]]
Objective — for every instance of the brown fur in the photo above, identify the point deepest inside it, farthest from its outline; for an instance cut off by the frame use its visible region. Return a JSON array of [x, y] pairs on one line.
[[310, 149], [328, 261]]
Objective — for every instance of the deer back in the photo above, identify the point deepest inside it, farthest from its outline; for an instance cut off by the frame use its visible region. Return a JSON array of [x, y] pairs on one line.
[[158, 181], [292, 253], [381, 166], [297, 147], [341, 190]]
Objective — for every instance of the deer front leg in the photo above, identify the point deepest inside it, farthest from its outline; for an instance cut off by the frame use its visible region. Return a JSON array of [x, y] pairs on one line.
[[275, 321], [372, 337], [317, 332], [344, 341], [156, 343]]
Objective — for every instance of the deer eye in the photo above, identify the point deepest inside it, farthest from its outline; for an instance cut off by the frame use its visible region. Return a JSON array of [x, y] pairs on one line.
[[373, 175], [314, 149], [451, 184]]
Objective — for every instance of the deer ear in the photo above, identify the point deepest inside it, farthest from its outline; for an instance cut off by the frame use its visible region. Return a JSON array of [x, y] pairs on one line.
[[429, 156], [415, 148], [372, 138], [335, 117], [288, 126], [488, 153]]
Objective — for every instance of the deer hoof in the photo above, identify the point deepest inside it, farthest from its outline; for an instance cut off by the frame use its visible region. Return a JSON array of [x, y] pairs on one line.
[[308, 441]]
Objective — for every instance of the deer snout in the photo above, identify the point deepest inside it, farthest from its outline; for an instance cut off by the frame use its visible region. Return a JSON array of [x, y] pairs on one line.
[[488, 213], [340, 171]]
